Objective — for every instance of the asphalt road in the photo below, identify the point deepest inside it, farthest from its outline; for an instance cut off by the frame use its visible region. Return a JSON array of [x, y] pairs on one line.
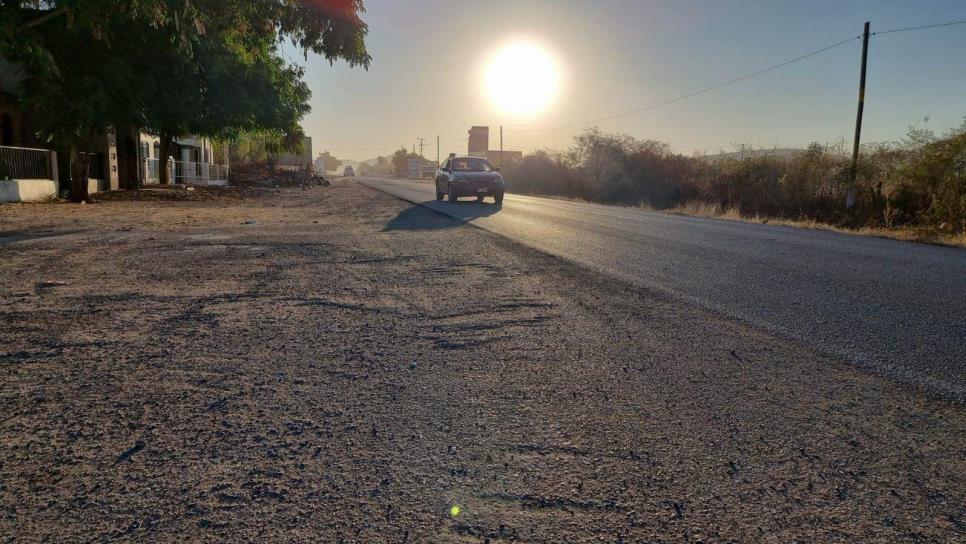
[[898, 308]]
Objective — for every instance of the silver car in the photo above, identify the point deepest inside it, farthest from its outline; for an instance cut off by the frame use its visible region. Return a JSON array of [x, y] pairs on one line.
[[469, 176]]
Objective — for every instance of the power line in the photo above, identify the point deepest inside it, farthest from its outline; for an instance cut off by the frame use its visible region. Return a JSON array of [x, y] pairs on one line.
[[695, 93], [352, 149], [698, 92], [456, 141], [381, 148], [924, 27]]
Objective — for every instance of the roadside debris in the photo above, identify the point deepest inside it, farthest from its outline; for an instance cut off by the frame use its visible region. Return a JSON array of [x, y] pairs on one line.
[[47, 284], [138, 446], [260, 174], [678, 509]]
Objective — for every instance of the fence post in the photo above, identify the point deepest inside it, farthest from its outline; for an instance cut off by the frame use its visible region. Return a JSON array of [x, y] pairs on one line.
[[52, 157]]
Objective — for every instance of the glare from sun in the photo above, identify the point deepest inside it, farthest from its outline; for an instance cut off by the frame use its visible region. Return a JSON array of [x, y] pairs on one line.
[[522, 79]]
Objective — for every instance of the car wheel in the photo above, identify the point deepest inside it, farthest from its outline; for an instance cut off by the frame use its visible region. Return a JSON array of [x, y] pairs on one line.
[[452, 196], [498, 198], [439, 194]]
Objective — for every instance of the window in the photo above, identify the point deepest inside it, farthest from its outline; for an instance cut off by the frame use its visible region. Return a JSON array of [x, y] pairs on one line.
[[471, 164]]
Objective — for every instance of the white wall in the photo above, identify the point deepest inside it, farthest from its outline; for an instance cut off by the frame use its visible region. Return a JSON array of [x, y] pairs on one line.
[[27, 190]]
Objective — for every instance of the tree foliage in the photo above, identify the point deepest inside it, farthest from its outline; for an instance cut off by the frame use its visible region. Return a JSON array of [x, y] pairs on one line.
[[173, 67], [400, 161], [378, 166], [258, 146], [328, 159]]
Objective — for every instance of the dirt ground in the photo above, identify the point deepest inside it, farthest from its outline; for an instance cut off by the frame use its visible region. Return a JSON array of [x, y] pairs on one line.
[[337, 365]]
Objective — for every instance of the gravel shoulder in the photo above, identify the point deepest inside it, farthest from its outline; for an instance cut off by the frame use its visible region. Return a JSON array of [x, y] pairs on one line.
[[337, 365]]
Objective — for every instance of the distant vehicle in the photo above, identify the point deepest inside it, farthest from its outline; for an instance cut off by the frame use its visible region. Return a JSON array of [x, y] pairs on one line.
[[349, 172], [429, 170], [469, 176]]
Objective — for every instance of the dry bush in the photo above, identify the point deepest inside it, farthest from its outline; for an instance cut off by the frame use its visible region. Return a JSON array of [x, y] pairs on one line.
[[918, 183], [264, 174]]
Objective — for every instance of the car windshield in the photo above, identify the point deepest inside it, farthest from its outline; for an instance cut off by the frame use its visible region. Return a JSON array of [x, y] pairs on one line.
[[471, 164]]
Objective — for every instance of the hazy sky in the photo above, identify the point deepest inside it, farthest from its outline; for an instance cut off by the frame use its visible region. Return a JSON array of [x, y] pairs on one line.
[[429, 56]]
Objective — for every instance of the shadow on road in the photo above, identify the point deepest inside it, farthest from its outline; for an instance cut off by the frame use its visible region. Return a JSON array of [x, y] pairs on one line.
[[11, 236], [421, 217]]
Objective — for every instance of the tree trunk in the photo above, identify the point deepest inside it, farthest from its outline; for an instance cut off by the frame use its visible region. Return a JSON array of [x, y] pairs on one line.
[[79, 174], [129, 151], [164, 149]]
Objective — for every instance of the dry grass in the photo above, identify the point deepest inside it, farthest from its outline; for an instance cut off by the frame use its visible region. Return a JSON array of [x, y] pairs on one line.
[[716, 211], [710, 209]]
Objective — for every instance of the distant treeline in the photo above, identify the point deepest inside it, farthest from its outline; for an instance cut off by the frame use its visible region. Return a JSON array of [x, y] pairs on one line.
[[919, 181]]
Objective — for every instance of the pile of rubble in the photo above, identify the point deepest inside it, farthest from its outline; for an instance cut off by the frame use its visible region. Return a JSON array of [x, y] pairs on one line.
[[262, 175]]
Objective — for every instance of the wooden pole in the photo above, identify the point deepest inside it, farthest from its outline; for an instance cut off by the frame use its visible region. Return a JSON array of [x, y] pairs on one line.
[[853, 172]]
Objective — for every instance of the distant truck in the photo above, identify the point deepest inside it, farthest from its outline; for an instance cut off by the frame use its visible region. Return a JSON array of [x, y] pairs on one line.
[[429, 170], [420, 169], [349, 172]]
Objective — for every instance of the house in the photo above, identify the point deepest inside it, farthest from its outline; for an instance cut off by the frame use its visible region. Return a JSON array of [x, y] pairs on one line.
[[28, 172], [479, 140], [193, 161], [31, 170]]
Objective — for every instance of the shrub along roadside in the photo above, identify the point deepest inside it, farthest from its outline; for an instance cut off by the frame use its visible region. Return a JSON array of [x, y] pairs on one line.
[[918, 183]]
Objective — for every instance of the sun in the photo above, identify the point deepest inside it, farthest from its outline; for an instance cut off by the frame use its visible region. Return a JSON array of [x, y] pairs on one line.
[[522, 79]]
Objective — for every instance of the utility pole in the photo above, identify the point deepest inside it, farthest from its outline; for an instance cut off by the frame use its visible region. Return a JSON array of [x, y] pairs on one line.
[[850, 192], [437, 151], [501, 146], [421, 140]]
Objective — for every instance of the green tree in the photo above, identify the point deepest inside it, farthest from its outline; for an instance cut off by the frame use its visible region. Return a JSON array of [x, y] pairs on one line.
[[261, 145], [205, 67], [70, 79], [400, 161], [331, 163], [382, 165]]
